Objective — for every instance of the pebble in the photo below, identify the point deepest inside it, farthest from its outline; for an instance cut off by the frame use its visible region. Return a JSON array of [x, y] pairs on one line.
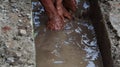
[[20, 20], [10, 59], [23, 32], [29, 16]]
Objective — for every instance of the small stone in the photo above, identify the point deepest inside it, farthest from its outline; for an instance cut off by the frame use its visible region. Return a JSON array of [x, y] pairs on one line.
[[20, 20], [19, 15], [19, 54], [30, 61], [29, 16], [10, 59], [16, 10], [23, 32]]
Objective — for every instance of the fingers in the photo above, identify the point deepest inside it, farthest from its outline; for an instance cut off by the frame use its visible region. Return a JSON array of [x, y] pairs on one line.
[[71, 4], [49, 7], [56, 12]]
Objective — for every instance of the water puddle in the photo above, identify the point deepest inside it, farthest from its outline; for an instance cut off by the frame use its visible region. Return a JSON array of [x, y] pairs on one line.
[[75, 46]]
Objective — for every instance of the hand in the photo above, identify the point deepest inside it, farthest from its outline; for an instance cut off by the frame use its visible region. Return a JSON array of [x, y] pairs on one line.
[[55, 23]]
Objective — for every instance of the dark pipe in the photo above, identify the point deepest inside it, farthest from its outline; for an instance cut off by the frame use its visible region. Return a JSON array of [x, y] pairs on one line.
[[101, 32]]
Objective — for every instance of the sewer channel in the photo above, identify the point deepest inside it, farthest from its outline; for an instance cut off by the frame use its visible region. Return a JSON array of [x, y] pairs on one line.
[[75, 46]]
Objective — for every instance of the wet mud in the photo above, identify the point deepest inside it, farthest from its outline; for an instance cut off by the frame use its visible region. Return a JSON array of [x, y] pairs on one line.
[[75, 46]]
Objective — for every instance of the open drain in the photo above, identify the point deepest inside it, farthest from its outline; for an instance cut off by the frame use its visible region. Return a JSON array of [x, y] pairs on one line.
[[82, 43], [102, 34]]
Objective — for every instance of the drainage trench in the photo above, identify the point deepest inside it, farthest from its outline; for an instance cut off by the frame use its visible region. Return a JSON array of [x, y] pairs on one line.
[[78, 45], [101, 32]]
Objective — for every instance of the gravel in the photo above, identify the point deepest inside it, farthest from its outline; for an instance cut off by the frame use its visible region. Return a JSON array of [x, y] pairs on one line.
[[17, 47]]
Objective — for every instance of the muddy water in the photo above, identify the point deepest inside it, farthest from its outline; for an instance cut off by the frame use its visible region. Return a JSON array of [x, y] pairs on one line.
[[75, 46]]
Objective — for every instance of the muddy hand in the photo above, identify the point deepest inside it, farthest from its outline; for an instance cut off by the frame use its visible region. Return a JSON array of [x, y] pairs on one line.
[[70, 4], [55, 21], [61, 10]]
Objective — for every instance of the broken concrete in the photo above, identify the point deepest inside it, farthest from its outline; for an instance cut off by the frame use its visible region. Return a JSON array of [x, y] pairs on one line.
[[16, 39], [111, 15]]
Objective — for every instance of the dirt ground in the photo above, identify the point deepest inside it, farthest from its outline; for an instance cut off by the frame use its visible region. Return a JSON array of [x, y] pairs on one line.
[[16, 40], [111, 15]]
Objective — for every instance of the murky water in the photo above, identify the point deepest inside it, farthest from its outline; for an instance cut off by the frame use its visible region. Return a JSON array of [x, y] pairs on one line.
[[75, 46]]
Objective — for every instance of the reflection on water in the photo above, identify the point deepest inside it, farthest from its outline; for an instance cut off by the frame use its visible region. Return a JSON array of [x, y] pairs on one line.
[[91, 64], [85, 5], [37, 12], [75, 46]]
